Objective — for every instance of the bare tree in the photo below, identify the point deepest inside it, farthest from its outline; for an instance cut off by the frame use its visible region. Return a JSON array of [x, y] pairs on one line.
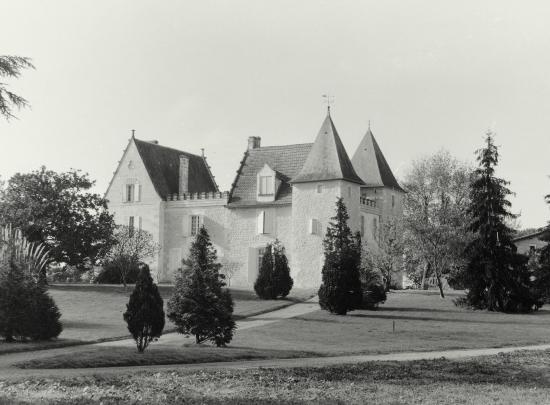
[[435, 216], [132, 246], [11, 66]]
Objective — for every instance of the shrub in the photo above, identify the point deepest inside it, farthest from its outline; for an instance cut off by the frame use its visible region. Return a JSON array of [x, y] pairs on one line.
[[200, 306], [372, 283], [112, 274], [340, 290], [144, 312], [274, 279]]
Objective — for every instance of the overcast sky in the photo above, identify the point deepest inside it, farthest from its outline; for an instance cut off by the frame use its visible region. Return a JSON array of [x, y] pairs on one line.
[[208, 74]]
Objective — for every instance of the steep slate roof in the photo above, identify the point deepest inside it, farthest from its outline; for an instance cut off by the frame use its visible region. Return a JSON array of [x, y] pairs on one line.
[[371, 165], [328, 159], [286, 160], [162, 164]]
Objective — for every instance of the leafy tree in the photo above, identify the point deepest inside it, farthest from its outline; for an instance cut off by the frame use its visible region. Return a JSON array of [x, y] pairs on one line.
[[130, 248], [145, 312], [340, 290], [387, 256], [372, 281], [57, 210], [496, 276], [200, 306], [26, 309], [274, 279], [11, 66], [435, 208]]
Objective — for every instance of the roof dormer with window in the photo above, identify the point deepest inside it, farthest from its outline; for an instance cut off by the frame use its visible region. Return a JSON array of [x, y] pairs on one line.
[[266, 184]]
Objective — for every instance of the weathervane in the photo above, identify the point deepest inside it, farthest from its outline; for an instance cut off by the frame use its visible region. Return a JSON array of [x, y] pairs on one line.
[[328, 99]]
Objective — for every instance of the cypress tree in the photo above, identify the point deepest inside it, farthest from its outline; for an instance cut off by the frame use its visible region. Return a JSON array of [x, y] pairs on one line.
[[496, 277], [144, 311], [200, 306], [340, 290], [274, 279]]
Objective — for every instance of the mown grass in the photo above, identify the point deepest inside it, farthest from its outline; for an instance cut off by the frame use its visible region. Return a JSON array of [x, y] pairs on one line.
[[522, 377], [423, 322], [156, 354], [92, 313]]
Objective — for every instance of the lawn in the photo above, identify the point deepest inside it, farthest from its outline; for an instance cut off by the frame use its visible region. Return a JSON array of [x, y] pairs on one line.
[[521, 377], [94, 312], [423, 322]]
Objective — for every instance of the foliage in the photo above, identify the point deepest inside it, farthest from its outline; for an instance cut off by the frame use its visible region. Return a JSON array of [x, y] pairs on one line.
[[130, 247], [11, 66], [200, 306], [144, 312], [372, 282], [496, 276], [274, 279], [435, 208], [387, 256], [111, 272], [26, 309], [57, 210], [340, 290]]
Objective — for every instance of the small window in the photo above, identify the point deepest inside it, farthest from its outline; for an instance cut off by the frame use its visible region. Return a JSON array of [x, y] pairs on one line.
[[393, 201], [129, 193], [362, 225], [319, 188], [195, 224], [266, 185], [532, 249], [261, 252], [131, 226]]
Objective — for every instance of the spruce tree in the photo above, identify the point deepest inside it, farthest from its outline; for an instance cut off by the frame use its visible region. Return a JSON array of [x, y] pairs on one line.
[[274, 279], [144, 312], [340, 290], [200, 306], [496, 277]]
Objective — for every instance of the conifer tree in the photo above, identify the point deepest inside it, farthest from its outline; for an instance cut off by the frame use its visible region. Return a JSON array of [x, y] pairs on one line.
[[340, 290], [200, 306], [274, 279], [144, 312], [496, 277]]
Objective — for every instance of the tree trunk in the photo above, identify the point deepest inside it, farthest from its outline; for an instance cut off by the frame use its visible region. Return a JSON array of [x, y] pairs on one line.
[[424, 273], [439, 284]]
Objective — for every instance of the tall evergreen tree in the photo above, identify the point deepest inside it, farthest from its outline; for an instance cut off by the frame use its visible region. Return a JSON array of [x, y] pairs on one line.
[[496, 277], [144, 312], [340, 290], [274, 279], [200, 306]]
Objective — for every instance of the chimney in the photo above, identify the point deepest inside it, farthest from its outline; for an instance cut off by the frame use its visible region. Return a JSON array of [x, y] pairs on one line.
[[184, 175], [254, 142]]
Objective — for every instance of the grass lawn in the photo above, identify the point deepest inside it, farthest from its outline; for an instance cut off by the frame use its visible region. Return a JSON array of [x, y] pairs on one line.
[[521, 377], [94, 312], [423, 322]]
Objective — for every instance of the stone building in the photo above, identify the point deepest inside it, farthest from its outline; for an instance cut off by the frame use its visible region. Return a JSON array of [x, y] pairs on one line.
[[286, 192], [528, 244]]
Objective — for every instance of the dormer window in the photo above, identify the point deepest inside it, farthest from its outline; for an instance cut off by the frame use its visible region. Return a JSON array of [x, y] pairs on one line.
[[267, 184]]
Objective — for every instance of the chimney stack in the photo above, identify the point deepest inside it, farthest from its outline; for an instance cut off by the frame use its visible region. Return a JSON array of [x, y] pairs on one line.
[[184, 175], [254, 142]]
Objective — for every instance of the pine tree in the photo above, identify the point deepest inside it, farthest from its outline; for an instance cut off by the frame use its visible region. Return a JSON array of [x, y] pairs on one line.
[[144, 312], [340, 290], [496, 277], [274, 279], [200, 306]]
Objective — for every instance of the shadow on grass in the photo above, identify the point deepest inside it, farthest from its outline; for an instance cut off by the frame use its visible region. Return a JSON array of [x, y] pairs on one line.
[[436, 319]]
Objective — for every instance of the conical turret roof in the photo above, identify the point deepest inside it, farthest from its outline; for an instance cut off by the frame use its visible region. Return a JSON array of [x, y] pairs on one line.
[[328, 159], [371, 165]]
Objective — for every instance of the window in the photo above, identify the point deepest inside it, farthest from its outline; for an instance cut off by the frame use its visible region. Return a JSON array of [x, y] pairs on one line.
[[195, 224], [315, 227], [392, 201], [261, 252], [266, 185], [131, 226], [129, 193], [532, 249], [362, 225], [319, 188]]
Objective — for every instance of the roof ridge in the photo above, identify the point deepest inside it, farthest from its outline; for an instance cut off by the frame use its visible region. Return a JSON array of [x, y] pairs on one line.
[[167, 147], [283, 146]]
